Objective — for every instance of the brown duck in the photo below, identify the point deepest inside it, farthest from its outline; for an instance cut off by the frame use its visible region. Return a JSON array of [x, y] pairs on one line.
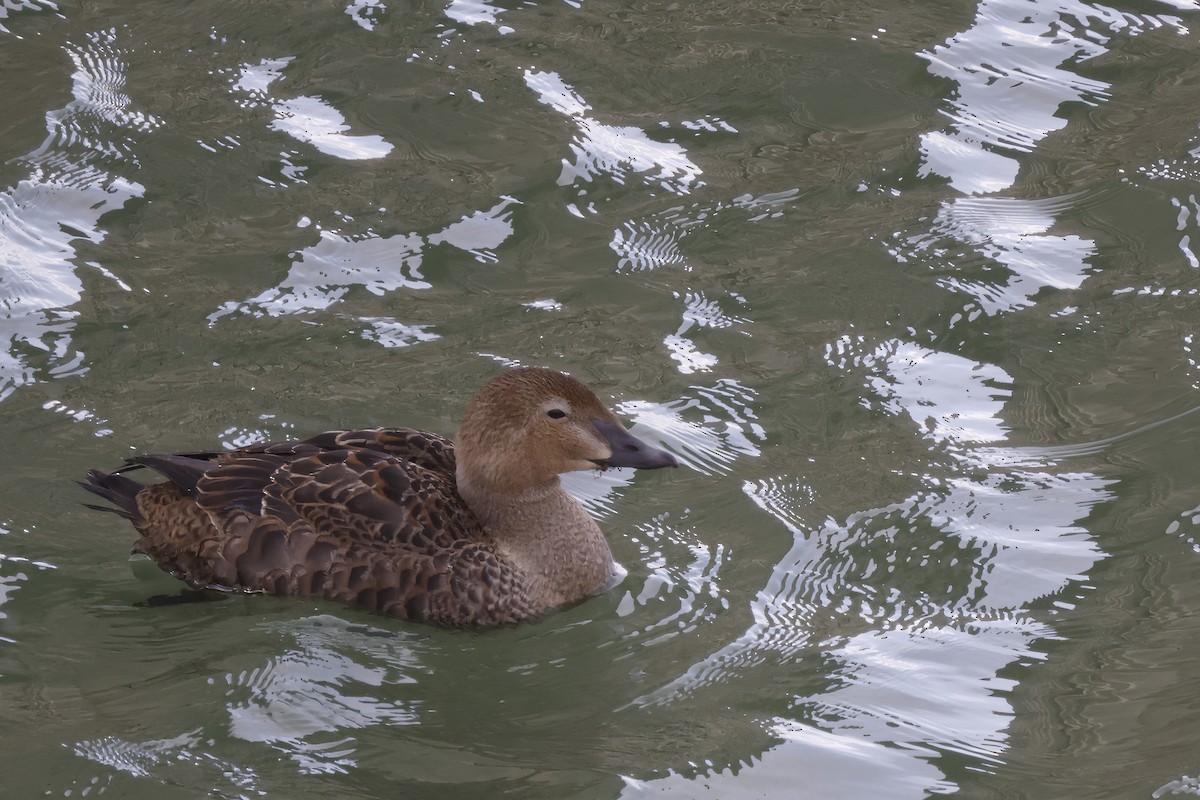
[[473, 532]]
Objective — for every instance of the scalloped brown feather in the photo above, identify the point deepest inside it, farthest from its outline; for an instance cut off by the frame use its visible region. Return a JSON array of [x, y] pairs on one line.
[[368, 517]]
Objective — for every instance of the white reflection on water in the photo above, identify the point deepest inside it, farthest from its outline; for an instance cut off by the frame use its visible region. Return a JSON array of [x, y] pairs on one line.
[[8, 585], [476, 12], [900, 687], [1181, 786], [12, 577], [724, 431], [684, 579], [1011, 76], [811, 763], [699, 312], [480, 232], [1011, 83], [186, 752], [983, 545], [951, 399], [305, 118], [707, 428], [10, 7], [366, 13], [1186, 209], [613, 150], [60, 202], [1181, 175], [322, 274], [598, 491], [1010, 232], [390, 333], [654, 241], [649, 244], [304, 701], [312, 120], [1189, 340]]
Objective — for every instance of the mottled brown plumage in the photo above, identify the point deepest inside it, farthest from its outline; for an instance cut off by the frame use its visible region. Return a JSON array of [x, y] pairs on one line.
[[398, 520]]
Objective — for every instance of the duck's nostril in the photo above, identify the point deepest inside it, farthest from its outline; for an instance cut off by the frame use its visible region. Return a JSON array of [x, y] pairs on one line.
[[631, 448]]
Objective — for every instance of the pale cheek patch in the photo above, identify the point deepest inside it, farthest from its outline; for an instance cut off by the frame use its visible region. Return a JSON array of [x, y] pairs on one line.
[[599, 447]]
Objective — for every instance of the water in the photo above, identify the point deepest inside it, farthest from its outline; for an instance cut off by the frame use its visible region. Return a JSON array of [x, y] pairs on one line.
[[911, 292]]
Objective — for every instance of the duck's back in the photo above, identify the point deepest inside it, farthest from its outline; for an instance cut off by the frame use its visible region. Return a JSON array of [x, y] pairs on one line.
[[370, 517]]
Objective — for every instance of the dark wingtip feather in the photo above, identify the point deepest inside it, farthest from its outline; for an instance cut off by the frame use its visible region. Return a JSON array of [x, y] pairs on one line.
[[183, 471], [122, 492], [95, 507]]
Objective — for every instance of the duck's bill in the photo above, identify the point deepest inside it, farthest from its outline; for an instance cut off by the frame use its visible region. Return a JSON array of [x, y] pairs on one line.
[[628, 450]]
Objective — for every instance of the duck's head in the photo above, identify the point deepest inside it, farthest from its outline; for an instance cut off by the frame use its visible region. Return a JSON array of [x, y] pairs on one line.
[[531, 424]]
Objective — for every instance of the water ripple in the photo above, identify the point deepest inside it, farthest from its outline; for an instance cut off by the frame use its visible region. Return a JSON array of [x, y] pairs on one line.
[[305, 118], [883, 612], [322, 274], [950, 398], [477, 12], [687, 584], [61, 201], [366, 13], [613, 150], [699, 312], [654, 241], [1013, 234], [11, 7], [164, 758], [1011, 83], [390, 333], [1187, 528], [1012, 71], [709, 445], [1185, 172], [886, 677], [301, 701], [919, 603], [708, 428]]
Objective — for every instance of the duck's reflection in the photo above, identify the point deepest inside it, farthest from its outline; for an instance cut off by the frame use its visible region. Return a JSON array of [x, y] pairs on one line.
[[304, 702]]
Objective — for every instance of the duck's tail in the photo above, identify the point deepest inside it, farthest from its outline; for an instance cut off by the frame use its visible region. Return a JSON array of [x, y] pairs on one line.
[[122, 492]]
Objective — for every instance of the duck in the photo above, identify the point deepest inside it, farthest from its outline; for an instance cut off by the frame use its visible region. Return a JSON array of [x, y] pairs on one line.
[[474, 532]]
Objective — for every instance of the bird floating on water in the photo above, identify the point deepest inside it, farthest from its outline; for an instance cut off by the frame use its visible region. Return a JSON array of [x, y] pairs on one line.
[[475, 532]]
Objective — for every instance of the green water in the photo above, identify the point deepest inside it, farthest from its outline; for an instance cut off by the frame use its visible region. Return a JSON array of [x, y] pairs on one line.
[[910, 290]]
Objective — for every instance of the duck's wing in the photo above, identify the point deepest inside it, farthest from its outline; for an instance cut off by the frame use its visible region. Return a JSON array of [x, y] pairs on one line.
[[428, 450], [462, 585], [356, 495], [355, 525], [425, 449]]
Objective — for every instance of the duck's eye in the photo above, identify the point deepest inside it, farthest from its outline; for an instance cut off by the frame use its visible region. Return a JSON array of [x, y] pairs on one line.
[[556, 413]]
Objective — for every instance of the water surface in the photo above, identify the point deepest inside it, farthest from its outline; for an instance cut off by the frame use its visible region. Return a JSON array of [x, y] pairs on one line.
[[911, 293]]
